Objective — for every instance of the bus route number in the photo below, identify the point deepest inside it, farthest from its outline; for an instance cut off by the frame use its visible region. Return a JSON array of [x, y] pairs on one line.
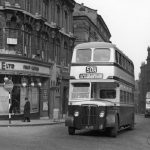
[[91, 69]]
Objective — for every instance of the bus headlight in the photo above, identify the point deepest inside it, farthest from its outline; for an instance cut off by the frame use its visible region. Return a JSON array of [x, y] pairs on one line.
[[102, 113], [76, 113]]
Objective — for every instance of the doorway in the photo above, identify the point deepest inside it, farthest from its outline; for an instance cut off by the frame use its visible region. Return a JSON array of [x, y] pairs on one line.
[[15, 100]]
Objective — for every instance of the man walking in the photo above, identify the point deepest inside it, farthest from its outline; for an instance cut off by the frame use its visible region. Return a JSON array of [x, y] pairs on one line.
[[27, 110]]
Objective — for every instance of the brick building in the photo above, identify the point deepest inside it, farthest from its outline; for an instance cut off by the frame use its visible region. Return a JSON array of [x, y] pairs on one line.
[[36, 44], [88, 25]]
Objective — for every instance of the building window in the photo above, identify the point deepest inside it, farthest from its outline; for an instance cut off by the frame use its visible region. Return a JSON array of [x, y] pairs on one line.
[[45, 8], [66, 52], [1, 38], [12, 37], [44, 46], [27, 40], [58, 15], [27, 5], [57, 52], [66, 21]]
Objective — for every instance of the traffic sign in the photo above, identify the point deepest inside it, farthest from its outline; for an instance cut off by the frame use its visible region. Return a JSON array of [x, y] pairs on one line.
[[8, 85]]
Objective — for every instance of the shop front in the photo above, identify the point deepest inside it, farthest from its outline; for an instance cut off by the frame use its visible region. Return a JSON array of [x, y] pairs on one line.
[[29, 80]]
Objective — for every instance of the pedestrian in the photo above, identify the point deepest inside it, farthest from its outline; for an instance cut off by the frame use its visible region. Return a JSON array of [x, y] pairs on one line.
[[27, 110]]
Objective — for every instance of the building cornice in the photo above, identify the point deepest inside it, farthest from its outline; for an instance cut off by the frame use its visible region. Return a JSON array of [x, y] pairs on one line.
[[87, 18], [37, 17]]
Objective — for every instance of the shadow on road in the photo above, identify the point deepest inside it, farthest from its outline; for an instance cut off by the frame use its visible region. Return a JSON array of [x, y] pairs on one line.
[[97, 133]]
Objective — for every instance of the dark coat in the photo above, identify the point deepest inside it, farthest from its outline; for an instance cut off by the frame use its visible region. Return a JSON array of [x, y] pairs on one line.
[[27, 109]]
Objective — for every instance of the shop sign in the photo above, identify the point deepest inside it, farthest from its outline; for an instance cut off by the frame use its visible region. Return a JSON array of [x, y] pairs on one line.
[[24, 67], [12, 41], [28, 67], [7, 66], [8, 85]]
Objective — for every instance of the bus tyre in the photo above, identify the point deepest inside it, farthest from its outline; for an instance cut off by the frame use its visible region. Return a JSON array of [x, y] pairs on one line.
[[114, 130], [131, 126], [71, 130]]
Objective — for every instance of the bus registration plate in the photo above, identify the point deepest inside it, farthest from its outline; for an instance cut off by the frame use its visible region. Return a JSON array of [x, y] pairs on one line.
[[91, 76]]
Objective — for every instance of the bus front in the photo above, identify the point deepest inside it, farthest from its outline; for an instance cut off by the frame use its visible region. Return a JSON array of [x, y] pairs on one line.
[[91, 104]]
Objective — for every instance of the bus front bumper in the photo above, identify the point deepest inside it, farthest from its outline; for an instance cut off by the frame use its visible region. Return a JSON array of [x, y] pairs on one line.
[[76, 123]]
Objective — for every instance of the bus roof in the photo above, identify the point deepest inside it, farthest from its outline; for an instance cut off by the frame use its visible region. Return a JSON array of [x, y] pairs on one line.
[[94, 45]]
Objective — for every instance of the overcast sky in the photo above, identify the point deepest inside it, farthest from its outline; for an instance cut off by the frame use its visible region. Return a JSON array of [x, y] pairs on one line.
[[129, 24]]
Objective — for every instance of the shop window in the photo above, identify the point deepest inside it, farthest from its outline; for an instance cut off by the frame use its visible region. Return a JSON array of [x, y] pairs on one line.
[[4, 101], [33, 94]]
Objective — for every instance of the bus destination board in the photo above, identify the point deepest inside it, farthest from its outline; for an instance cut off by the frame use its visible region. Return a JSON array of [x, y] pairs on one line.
[[91, 76]]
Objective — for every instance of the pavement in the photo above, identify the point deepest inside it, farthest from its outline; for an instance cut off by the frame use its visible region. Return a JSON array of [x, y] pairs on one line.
[[34, 122], [42, 121]]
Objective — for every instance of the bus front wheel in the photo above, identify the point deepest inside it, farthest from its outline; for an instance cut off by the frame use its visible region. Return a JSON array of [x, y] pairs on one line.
[[114, 130], [71, 130]]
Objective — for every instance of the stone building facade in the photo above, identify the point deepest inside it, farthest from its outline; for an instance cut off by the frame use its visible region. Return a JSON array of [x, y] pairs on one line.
[[88, 25], [36, 41], [144, 82]]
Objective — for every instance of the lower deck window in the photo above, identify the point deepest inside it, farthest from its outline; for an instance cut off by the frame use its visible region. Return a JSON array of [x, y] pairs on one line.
[[108, 93], [80, 90]]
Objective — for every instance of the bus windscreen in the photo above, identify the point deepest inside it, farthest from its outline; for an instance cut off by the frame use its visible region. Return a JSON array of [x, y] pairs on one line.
[[83, 55], [101, 54]]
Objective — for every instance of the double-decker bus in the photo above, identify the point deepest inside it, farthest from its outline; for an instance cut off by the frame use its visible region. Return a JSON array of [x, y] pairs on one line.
[[147, 106], [100, 89]]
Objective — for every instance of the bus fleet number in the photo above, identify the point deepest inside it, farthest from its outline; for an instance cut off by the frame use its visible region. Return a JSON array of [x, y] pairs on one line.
[[91, 69]]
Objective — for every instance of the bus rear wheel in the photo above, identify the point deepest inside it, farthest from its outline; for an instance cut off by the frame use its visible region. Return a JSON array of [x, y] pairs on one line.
[[114, 130], [71, 130]]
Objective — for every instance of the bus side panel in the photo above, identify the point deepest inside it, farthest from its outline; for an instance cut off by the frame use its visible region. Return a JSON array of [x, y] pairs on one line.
[[126, 114], [110, 117]]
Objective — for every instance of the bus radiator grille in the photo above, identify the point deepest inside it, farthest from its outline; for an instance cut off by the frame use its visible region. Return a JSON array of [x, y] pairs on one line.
[[89, 115]]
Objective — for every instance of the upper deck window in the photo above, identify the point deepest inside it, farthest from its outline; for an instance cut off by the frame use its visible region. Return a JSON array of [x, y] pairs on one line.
[[101, 54], [83, 55]]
